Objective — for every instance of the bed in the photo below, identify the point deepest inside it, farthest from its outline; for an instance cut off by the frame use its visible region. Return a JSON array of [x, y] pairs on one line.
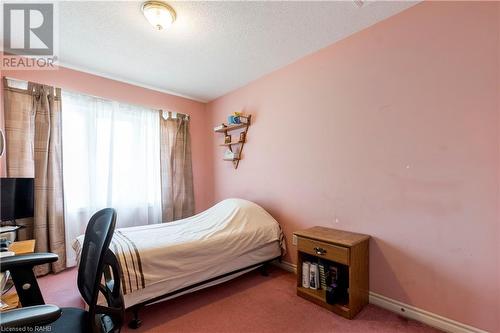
[[163, 261]]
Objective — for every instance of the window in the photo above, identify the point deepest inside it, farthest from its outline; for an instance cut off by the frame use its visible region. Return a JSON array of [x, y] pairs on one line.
[[111, 158]]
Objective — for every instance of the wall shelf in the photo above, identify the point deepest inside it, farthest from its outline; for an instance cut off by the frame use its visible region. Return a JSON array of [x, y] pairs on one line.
[[231, 144], [233, 127]]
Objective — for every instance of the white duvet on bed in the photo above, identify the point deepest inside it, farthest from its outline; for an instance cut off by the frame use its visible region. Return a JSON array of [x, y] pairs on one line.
[[182, 252]]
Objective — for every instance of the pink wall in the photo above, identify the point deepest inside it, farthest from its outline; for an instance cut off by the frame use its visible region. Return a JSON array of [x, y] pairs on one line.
[[380, 134], [115, 90], [3, 172], [393, 132]]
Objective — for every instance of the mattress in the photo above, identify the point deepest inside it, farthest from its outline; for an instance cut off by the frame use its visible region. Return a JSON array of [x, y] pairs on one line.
[[267, 252], [161, 258]]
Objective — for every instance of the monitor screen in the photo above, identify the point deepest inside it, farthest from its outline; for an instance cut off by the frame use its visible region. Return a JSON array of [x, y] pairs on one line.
[[16, 198]]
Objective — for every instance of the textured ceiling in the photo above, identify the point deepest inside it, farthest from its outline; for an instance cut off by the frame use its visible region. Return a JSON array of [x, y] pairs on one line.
[[213, 47]]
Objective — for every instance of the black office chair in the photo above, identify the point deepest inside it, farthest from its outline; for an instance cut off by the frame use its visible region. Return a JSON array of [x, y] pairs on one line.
[[97, 264]]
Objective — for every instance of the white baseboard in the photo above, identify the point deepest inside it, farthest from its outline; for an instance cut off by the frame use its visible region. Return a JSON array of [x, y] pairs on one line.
[[285, 265], [426, 317], [405, 310]]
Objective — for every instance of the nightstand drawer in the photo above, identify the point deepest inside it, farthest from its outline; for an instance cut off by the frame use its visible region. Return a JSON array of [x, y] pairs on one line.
[[324, 250]]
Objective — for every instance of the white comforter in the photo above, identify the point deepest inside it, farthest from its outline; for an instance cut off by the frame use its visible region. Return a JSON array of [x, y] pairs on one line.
[[157, 253]]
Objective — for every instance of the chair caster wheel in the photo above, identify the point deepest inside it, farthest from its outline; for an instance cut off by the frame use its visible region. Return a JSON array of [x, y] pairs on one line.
[[135, 324]]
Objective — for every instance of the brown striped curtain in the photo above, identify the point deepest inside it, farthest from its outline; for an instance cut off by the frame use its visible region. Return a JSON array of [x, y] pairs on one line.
[[18, 132], [177, 194], [34, 148]]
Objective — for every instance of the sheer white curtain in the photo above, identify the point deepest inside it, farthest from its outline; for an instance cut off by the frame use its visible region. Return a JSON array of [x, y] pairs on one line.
[[111, 158]]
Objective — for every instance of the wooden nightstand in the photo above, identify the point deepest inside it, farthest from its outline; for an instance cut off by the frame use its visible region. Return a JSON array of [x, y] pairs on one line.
[[348, 252]]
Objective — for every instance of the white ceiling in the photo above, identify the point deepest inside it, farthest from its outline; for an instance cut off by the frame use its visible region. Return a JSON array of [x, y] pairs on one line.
[[213, 47]]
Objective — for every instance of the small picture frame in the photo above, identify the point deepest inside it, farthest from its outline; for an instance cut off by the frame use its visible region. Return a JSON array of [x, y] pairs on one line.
[[243, 136], [227, 139]]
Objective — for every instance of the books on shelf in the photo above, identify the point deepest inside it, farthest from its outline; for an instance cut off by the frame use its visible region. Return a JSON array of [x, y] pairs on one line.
[[323, 275], [306, 267], [314, 276]]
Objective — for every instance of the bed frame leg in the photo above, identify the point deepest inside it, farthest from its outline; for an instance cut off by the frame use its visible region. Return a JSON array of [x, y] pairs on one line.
[[263, 269], [135, 323]]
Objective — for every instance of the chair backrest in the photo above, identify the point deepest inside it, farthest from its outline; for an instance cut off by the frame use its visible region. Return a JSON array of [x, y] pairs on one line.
[[98, 236]]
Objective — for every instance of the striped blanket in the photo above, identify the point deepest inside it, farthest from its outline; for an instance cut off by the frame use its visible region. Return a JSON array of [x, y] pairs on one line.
[[127, 254], [155, 253], [129, 259]]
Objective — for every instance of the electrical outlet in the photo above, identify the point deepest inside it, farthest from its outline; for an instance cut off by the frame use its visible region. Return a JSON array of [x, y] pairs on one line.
[[294, 240]]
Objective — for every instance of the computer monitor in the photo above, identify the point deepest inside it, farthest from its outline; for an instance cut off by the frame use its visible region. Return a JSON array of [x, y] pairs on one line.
[[16, 198]]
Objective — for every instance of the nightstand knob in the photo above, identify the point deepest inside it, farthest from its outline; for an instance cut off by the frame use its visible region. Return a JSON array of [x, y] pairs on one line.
[[319, 251]]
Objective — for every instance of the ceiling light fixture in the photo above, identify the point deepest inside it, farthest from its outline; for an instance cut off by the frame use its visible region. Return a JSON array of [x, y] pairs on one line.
[[159, 14], [359, 3]]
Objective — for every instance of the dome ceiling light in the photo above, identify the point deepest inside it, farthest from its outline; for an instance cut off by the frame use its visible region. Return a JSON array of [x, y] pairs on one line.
[[159, 14]]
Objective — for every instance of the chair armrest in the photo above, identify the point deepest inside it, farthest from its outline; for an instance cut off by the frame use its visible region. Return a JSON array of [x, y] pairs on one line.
[[26, 260], [37, 315]]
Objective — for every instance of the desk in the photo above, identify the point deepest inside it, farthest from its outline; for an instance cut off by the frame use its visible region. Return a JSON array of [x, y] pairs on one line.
[[21, 247]]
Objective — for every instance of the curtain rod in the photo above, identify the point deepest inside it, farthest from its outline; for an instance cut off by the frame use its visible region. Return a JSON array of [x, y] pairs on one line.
[[166, 114], [161, 110], [11, 78], [16, 80]]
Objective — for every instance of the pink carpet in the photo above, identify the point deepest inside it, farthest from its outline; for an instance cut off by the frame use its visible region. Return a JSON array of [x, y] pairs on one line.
[[251, 303]]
